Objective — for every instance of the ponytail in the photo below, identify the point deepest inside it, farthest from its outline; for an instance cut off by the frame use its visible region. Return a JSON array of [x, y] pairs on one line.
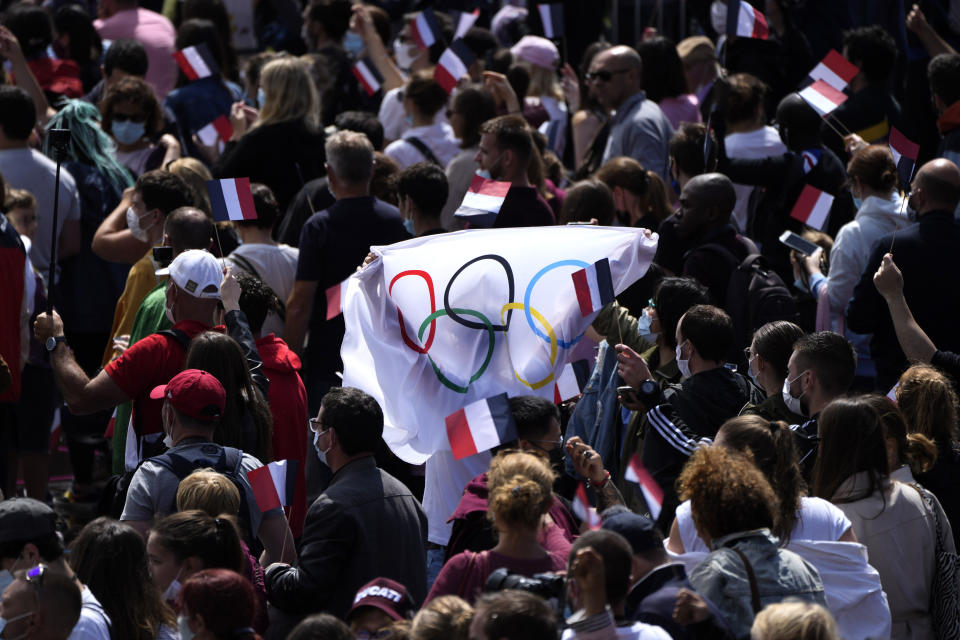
[[921, 453]]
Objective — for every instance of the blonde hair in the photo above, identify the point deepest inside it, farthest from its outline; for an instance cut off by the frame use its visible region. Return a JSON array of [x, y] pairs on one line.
[[196, 175], [794, 621], [208, 491], [291, 93], [521, 489], [19, 199], [443, 618], [928, 403], [543, 82]]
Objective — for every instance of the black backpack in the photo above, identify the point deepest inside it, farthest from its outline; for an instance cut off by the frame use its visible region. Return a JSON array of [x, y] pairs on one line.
[[756, 295]]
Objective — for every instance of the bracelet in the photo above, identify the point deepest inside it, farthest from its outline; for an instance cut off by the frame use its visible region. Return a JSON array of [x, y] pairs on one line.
[[600, 485]]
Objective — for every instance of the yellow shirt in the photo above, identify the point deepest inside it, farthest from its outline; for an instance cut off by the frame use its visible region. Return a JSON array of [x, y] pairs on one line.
[[140, 281]]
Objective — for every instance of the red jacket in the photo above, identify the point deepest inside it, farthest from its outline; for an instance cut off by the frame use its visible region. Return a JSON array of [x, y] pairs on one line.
[[288, 404]]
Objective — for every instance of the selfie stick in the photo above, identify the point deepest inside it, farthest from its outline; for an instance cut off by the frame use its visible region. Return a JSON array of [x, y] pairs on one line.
[[59, 140]]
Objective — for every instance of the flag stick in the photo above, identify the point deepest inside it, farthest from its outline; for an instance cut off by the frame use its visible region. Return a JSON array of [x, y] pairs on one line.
[[223, 258], [839, 123], [903, 204], [835, 130]]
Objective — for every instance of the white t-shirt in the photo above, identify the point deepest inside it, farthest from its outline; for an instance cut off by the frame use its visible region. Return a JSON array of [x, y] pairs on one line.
[[438, 138], [393, 117], [751, 145], [94, 623], [632, 631], [274, 264], [818, 520]]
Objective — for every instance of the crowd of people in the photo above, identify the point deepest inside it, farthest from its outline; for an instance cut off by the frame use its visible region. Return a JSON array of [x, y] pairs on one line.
[[767, 447]]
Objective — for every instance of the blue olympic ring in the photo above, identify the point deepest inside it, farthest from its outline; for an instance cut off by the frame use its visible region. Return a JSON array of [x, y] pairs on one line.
[[528, 293]]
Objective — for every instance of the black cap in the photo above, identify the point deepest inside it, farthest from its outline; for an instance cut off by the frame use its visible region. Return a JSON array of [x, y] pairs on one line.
[[26, 519], [640, 531]]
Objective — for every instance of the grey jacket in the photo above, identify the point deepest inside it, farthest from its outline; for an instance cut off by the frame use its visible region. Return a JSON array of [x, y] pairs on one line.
[[722, 578]]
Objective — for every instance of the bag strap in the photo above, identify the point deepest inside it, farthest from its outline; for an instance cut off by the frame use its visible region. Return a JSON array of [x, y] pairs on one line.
[[178, 335], [245, 264], [423, 149], [752, 578], [722, 251], [928, 504]]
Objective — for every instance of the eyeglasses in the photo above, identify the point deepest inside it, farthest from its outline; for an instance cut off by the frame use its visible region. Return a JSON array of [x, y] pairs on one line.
[[554, 443], [651, 303], [747, 353], [315, 425], [604, 75]]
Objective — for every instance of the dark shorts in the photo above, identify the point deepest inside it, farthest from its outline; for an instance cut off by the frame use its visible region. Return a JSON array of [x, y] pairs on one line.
[[25, 426]]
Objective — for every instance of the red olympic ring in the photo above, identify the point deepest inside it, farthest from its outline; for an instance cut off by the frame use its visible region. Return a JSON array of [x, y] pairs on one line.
[[433, 307]]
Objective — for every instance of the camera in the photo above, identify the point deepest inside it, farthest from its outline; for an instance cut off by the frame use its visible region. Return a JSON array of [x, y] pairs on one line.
[[60, 142], [549, 586]]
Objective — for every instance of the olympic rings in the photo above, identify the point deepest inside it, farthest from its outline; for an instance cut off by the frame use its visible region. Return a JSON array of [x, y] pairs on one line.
[[431, 320], [553, 343], [433, 307], [527, 309], [452, 313]]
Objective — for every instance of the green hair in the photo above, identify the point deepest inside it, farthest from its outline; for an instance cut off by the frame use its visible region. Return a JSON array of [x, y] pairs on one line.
[[88, 143]]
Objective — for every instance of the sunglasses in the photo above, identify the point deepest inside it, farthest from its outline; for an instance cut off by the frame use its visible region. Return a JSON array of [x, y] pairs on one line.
[[120, 117], [604, 75]]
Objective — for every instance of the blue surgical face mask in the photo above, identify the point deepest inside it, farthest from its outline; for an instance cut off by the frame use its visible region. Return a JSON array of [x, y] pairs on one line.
[[643, 326], [408, 225], [753, 376], [483, 173], [353, 44], [184, 625], [261, 97], [857, 202], [127, 132]]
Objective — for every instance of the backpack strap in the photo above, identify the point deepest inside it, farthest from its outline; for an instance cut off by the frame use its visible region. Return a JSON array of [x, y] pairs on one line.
[[752, 578], [722, 251], [178, 335], [423, 149], [245, 264]]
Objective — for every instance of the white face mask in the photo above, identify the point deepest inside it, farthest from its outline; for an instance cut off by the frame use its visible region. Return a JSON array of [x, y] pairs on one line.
[[184, 625], [718, 17], [683, 364], [405, 59], [750, 372], [643, 326], [133, 223], [173, 589], [793, 404]]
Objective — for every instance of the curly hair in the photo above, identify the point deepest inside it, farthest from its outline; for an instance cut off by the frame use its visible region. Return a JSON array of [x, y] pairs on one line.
[[521, 489], [929, 403], [727, 493], [138, 92], [443, 618], [772, 448]]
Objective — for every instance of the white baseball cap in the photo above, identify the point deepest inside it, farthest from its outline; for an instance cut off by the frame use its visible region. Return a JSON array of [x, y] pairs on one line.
[[194, 271]]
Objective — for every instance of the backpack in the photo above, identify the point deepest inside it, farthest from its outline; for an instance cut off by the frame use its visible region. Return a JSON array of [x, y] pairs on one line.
[[756, 295]]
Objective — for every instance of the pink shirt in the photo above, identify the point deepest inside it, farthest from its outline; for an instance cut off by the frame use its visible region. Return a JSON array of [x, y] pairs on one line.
[[157, 35]]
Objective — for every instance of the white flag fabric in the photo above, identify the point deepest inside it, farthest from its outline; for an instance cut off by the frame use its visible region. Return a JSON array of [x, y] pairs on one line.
[[438, 322]]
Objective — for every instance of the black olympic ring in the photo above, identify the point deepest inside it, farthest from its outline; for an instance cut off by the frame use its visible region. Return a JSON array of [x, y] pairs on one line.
[[452, 314]]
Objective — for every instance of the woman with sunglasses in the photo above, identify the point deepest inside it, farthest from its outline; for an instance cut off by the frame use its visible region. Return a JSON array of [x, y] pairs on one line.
[[133, 118]]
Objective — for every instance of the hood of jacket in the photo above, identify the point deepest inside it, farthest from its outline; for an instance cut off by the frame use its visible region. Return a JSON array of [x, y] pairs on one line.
[[277, 355]]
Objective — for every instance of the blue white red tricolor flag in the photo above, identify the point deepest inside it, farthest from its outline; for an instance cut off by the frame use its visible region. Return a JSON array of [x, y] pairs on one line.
[[594, 286], [196, 62], [745, 21], [552, 17], [230, 199], [822, 97], [368, 76], [464, 20], [652, 493], [480, 426], [904, 153], [335, 299], [812, 207], [424, 29], [811, 158], [273, 484], [453, 65], [581, 507], [835, 70], [219, 128], [483, 200], [571, 381]]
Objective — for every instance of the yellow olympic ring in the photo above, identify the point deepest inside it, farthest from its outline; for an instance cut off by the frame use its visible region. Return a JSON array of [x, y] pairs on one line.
[[550, 333]]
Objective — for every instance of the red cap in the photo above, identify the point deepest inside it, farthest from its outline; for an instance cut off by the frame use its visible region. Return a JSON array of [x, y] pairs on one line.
[[195, 393], [385, 594]]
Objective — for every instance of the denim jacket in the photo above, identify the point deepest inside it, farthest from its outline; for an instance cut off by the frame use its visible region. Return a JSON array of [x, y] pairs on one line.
[[596, 418], [722, 578]]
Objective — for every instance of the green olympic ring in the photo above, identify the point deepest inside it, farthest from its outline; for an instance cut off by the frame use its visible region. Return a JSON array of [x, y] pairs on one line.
[[486, 362]]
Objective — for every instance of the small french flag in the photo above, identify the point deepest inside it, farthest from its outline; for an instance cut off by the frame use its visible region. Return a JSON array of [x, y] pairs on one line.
[[594, 286], [366, 72], [652, 493], [892, 394], [230, 199], [219, 128], [196, 62], [424, 29], [904, 153], [273, 484], [572, 380], [835, 70], [822, 97], [483, 200], [811, 158], [552, 17], [335, 299], [480, 426], [464, 21], [581, 507], [453, 65], [812, 207], [745, 21]]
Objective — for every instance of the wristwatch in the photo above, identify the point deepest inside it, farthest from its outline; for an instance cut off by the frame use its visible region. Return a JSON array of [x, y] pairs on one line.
[[53, 341]]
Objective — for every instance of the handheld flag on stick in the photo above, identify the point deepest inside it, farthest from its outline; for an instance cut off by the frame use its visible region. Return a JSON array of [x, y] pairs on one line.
[[220, 127], [335, 299], [196, 62], [464, 20], [424, 29], [366, 72], [483, 200], [453, 65], [230, 199], [905, 155], [552, 17], [745, 21], [835, 70], [586, 513], [822, 97], [572, 380], [480, 426], [652, 493], [273, 484], [812, 207], [594, 286]]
